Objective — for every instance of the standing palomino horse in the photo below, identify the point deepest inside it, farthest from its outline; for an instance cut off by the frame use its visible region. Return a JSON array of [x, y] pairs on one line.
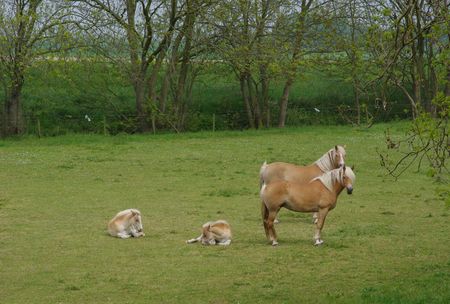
[[319, 195], [280, 171]]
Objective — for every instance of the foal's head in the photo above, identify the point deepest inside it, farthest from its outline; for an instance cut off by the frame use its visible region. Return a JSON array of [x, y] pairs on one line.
[[207, 235], [347, 178], [136, 220]]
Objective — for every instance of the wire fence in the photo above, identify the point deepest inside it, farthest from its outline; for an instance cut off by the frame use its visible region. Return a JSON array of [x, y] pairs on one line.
[[52, 124]]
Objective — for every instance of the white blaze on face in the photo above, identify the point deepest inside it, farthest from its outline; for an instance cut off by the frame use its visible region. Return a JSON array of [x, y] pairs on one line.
[[341, 160], [340, 152]]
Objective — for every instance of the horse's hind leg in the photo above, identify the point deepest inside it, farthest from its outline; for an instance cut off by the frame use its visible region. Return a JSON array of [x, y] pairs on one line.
[[265, 214], [123, 235], [315, 216], [321, 215], [271, 228]]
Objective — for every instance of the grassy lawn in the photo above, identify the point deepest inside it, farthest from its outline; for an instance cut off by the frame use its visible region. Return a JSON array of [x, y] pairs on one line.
[[387, 243]]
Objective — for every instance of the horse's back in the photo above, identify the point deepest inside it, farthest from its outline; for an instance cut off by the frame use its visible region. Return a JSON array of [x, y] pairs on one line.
[[279, 171]]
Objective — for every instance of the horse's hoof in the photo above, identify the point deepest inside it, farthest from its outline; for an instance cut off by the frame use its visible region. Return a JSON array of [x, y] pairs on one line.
[[274, 243], [276, 221], [318, 242]]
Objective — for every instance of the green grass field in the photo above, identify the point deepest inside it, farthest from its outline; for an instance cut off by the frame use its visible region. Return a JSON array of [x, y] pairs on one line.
[[387, 243]]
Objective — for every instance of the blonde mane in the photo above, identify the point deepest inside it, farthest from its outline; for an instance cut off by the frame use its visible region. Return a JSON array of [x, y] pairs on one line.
[[326, 162], [329, 178]]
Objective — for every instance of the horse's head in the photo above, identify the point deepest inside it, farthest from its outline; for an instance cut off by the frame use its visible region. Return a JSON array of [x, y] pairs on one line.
[[207, 235], [136, 220], [348, 179], [338, 154]]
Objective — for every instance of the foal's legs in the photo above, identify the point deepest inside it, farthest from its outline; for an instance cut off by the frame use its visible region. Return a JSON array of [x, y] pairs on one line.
[[136, 233], [321, 215], [123, 235], [194, 240]]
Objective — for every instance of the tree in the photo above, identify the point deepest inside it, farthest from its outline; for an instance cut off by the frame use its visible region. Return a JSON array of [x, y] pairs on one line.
[[29, 30], [188, 45], [408, 39], [291, 71], [245, 38], [419, 57], [147, 27]]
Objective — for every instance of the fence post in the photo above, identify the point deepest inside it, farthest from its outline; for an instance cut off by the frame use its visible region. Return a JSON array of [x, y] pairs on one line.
[[214, 122], [105, 130], [39, 128]]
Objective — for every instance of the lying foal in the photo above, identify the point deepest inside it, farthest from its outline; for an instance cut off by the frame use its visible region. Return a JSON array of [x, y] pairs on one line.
[[218, 232], [126, 223]]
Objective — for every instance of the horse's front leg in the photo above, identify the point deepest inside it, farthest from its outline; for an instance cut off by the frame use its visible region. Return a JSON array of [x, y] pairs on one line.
[[135, 233], [194, 240], [315, 217], [321, 215]]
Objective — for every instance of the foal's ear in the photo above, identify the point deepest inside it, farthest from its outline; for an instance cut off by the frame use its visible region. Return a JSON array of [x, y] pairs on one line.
[[343, 168], [353, 167], [336, 148]]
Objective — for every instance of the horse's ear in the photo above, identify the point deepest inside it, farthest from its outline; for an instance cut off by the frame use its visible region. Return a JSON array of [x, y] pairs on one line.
[[343, 168], [336, 148], [353, 167], [209, 227]]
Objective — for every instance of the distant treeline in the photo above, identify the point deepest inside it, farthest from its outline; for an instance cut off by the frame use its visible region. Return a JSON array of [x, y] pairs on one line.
[[89, 96], [110, 66]]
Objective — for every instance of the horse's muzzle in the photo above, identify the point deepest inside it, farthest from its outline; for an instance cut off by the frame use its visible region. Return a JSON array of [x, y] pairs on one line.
[[349, 190]]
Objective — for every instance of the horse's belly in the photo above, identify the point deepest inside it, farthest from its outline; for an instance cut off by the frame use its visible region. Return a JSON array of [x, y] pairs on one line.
[[304, 207]]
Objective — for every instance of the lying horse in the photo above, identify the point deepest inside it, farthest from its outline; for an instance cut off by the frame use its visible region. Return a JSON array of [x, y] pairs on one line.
[[279, 171], [218, 232], [319, 195], [126, 223]]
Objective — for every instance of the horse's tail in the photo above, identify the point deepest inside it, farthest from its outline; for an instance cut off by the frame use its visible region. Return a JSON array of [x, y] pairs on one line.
[[261, 172]]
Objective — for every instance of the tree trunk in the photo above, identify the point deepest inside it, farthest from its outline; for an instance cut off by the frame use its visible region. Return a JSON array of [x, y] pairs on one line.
[[180, 93], [164, 90], [253, 97], [357, 103], [138, 68], [13, 120], [245, 98], [292, 69], [284, 102], [265, 100], [141, 111]]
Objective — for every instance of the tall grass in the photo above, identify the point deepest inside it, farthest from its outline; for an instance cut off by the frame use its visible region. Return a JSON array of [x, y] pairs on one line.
[[386, 243]]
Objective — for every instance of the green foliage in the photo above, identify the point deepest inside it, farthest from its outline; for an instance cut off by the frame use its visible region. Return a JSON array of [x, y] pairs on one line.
[[60, 93], [427, 139]]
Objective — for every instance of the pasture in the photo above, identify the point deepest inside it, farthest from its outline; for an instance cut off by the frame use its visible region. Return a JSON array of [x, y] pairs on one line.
[[388, 242]]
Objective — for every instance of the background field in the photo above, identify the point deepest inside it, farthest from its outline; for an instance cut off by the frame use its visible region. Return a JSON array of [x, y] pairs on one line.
[[387, 243]]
